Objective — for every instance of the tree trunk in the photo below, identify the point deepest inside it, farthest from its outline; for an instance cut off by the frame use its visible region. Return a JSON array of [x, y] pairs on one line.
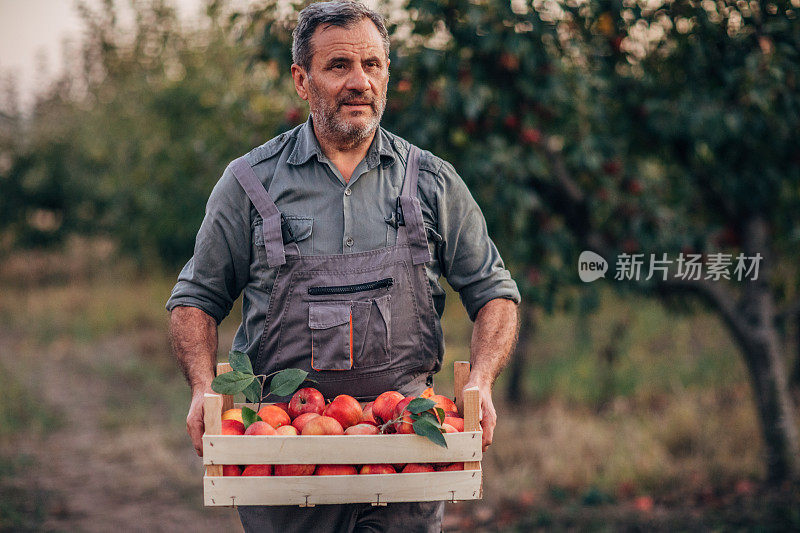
[[794, 381], [516, 377], [760, 343]]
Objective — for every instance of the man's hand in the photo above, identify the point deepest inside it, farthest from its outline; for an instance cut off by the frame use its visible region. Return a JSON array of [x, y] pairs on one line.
[[195, 426], [487, 413], [493, 338]]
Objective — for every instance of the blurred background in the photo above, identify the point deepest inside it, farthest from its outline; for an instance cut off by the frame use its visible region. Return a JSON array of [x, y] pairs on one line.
[[634, 126]]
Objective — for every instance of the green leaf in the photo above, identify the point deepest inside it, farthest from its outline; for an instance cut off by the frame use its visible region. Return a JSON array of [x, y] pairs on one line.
[[417, 405], [253, 391], [240, 361], [425, 429], [286, 381], [440, 414], [249, 416], [231, 382], [430, 417]]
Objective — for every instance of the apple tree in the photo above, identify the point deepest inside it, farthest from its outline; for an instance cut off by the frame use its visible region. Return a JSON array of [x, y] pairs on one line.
[[626, 127]]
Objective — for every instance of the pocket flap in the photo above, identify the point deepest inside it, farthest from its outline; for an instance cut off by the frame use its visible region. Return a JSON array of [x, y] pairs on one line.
[[301, 227], [324, 316]]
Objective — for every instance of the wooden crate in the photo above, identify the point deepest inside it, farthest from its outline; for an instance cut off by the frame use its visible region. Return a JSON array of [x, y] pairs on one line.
[[307, 491]]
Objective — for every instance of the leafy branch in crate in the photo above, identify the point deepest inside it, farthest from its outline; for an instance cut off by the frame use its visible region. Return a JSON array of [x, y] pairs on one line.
[[426, 420], [242, 379]]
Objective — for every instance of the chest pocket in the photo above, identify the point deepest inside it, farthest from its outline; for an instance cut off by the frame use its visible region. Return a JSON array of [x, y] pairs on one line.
[[299, 228]]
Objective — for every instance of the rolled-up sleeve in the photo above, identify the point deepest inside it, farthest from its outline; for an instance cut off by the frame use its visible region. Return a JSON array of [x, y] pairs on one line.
[[219, 269], [470, 260]]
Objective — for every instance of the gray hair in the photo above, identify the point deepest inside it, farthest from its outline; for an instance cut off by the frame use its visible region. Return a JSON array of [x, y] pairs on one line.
[[342, 13]]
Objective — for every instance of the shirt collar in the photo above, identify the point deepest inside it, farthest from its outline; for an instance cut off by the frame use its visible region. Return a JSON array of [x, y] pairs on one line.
[[307, 146]]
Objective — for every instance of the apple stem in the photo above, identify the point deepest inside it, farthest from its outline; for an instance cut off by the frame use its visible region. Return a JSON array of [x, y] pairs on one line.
[[382, 428], [261, 395]]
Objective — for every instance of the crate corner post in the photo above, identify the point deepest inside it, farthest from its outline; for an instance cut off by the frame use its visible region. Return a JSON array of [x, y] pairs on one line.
[[212, 419]]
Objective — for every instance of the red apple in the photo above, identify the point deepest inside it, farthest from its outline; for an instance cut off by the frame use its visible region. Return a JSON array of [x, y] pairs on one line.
[[345, 409], [445, 403], [456, 422], [286, 431], [377, 469], [294, 470], [300, 422], [362, 429], [383, 406], [366, 415], [412, 468], [404, 426], [274, 416], [451, 467], [322, 425], [231, 470], [306, 400], [335, 470], [257, 470], [447, 428], [232, 427], [283, 405], [259, 428]]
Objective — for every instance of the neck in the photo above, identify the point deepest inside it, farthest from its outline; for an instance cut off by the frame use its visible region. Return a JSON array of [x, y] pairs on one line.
[[345, 157]]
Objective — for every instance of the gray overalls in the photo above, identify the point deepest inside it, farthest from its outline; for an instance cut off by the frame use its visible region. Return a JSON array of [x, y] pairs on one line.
[[361, 324]]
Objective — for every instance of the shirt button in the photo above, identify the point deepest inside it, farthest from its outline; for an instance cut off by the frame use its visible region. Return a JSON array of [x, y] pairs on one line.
[[349, 241], [348, 192]]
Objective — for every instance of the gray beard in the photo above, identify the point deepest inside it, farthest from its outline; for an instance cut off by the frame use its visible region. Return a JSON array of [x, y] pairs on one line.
[[344, 134]]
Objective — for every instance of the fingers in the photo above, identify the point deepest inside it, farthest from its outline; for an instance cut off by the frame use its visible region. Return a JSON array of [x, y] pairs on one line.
[[488, 419], [487, 425], [195, 426]]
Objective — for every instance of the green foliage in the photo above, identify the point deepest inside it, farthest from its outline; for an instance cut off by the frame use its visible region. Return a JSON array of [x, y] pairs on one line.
[[425, 428], [133, 138], [240, 361], [572, 126], [232, 382], [287, 381], [418, 405], [249, 416]]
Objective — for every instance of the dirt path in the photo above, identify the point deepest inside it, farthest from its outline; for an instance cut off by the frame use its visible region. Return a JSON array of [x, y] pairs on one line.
[[97, 472]]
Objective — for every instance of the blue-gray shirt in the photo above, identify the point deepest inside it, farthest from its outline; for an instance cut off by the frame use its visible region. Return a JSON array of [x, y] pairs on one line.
[[328, 216]]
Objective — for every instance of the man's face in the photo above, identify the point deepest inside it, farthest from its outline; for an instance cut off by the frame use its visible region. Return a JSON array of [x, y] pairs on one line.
[[346, 85]]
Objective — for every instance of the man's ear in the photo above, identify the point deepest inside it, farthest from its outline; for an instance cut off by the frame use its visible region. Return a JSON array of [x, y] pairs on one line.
[[300, 81]]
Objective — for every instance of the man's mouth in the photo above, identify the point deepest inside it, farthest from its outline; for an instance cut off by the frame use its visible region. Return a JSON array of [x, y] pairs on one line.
[[358, 104]]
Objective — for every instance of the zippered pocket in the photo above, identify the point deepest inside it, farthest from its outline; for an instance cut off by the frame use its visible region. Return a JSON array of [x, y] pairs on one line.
[[384, 283]]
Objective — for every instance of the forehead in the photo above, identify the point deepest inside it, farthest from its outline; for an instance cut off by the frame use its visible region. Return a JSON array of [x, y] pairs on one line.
[[361, 39]]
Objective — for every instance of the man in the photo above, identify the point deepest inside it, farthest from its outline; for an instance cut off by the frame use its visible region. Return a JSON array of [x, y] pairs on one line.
[[337, 233]]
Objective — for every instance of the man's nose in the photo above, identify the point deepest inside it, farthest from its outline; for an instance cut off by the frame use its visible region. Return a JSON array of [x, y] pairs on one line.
[[358, 80]]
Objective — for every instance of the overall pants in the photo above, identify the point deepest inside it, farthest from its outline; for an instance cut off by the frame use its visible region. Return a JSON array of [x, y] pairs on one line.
[[360, 324]]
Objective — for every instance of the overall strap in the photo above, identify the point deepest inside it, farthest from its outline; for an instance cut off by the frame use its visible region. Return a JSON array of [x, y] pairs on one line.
[[412, 212], [273, 239]]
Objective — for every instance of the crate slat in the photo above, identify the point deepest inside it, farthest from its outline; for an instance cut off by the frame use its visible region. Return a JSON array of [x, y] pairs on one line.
[[338, 449], [316, 490]]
